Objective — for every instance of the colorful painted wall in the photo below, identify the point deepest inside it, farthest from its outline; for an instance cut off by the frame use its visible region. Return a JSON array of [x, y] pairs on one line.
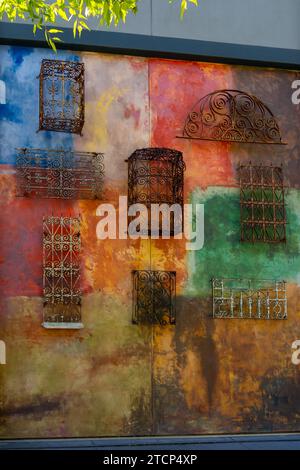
[[113, 378]]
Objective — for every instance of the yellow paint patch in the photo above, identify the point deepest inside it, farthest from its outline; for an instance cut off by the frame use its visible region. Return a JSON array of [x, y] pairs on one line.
[[103, 105]]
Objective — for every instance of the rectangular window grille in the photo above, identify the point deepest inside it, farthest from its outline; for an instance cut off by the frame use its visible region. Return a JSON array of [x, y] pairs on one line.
[[59, 174], [155, 176], [263, 217], [154, 294], [246, 298], [61, 268], [61, 96]]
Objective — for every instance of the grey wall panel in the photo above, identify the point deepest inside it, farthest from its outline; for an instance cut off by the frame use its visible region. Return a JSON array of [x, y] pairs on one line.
[[267, 23]]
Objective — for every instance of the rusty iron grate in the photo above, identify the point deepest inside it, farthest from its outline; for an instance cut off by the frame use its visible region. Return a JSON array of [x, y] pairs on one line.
[[61, 96], [232, 116], [61, 269], [154, 294], [249, 299], [156, 176], [262, 204], [61, 174]]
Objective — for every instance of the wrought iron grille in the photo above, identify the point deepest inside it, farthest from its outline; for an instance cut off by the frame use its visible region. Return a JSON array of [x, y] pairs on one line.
[[246, 298], [262, 204], [232, 116], [59, 174], [61, 268], [61, 96], [154, 294], [155, 176]]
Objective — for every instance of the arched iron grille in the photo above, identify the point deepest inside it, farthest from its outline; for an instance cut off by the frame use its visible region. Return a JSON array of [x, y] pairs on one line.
[[61, 270], [154, 294], [63, 174], [249, 299], [232, 116], [61, 96], [262, 204]]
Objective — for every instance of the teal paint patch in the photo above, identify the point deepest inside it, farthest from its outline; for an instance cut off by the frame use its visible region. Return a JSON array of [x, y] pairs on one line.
[[223, 255]]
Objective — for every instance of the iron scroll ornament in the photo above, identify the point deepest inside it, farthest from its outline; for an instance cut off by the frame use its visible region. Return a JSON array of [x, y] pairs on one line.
[[232, 116], [249, 299], [155, 176], [57, 173], [61, 96], [262, 204], [154, 297], [61, 270]]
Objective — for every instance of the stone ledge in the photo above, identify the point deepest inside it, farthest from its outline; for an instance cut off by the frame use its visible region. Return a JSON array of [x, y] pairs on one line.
[[62, 325]]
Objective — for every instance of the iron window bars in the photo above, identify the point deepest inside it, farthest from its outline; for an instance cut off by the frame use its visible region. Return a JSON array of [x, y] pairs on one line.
[[262, 204], [155, 176], [59, 174], [154, 294], [61, 96], [61, 272], [232, 116], [249, 299]]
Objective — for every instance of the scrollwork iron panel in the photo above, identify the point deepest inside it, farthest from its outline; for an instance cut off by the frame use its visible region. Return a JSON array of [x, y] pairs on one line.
[[61, 269], [249, 299], [59, 174], [262, 204], [155, 175], [61, 96], [232, 116], [154, 294]]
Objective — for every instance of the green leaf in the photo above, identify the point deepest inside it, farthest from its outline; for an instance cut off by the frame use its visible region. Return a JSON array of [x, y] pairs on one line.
[[53, 31], [183, 8], [52, 45], [63, 14], [84, 25], [74, 28]]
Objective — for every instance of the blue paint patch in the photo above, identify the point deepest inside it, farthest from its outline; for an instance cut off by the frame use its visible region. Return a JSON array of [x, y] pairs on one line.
[[11, 113], [20, 68], [18, 54]]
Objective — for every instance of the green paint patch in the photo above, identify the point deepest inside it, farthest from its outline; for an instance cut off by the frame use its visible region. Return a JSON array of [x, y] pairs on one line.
[[224, 255]]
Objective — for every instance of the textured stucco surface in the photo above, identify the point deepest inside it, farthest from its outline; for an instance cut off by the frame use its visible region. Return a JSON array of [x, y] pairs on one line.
[[113, 378]]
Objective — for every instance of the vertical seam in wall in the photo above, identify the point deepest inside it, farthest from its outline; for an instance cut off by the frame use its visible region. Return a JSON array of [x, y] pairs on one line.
[[153, 426], [152, 382], [150, 143]]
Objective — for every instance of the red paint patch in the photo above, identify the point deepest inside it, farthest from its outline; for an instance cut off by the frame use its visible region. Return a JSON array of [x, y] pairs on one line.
[[21, 239], [131, 112], [175, 87]]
